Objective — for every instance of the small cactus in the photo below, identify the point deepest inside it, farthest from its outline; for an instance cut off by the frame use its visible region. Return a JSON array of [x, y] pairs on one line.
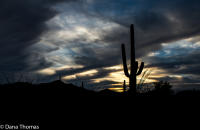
[[134, 72], [124, 86]]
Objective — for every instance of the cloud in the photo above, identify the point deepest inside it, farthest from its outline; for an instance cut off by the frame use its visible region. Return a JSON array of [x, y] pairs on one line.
[[156, 21], [36, 35], [94, 31], [95, 80], [22, 23], [179, 62]]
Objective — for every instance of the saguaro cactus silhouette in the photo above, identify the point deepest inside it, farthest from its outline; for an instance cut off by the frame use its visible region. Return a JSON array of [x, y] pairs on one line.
[[134, 71]]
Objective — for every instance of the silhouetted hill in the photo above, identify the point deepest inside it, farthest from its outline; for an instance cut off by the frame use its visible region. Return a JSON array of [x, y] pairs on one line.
[[55, 88], [59, 89]]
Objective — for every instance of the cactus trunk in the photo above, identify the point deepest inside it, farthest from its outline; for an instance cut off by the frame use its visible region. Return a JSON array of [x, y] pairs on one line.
[[132, 78], [134, 72]]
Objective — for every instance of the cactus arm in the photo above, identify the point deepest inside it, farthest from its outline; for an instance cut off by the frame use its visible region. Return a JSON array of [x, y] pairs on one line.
[[141, 69], [124, 61]]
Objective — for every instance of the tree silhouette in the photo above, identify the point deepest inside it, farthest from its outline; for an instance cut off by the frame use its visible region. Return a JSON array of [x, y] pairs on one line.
[[162, 88]]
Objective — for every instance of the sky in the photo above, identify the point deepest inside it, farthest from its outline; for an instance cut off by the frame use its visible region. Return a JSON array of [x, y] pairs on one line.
[[81, 40]]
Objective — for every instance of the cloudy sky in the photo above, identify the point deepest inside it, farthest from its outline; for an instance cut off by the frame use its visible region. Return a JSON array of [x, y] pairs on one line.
[[80, 40]]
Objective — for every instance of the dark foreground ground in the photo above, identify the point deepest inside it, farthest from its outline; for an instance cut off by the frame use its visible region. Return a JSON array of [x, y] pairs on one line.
[[57, 105]]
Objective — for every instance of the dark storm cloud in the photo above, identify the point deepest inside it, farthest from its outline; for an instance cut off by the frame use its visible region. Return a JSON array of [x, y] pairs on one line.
[[156, 21], [184, 65], [22, 22], [89, 80], [101, 72], [104, 59], [179, 64]]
